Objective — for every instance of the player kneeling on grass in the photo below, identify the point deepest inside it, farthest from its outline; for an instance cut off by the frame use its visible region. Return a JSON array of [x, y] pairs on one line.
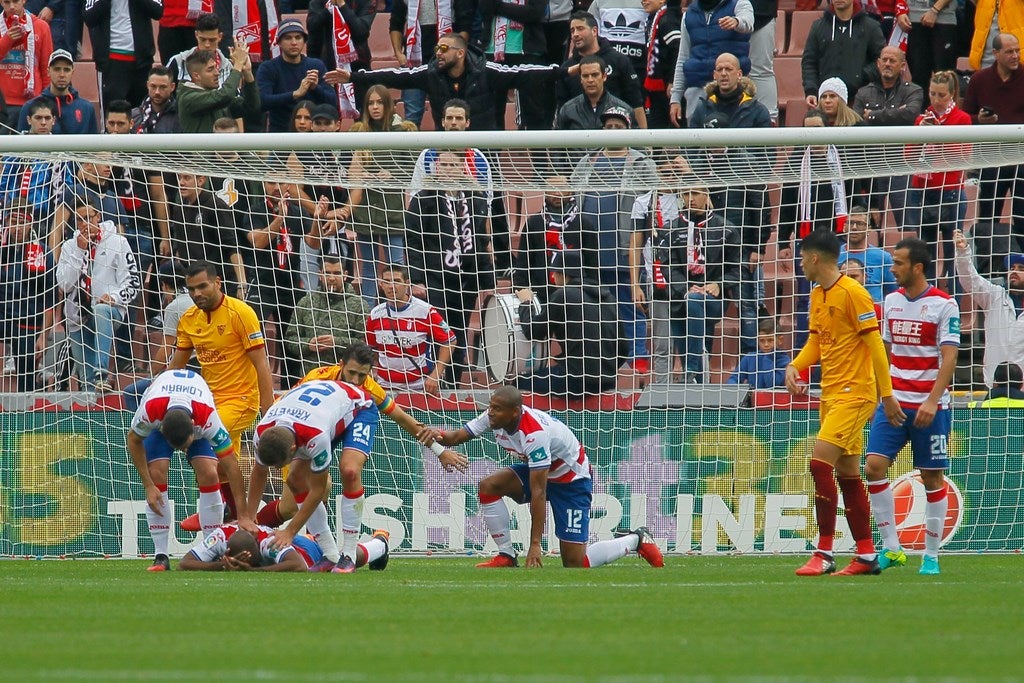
[[355, 368], [921, 331], [230, 548], [555, 467], [177, 413], [301, 429]]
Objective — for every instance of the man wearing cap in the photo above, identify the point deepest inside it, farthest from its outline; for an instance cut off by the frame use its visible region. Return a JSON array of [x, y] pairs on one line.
[[584, 111], [123, 45], [201, 101], [845, 42], [1003, 306], [291, 77], [74, 115]]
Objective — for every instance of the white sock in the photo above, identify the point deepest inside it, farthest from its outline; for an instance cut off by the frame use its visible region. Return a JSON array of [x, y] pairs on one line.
[[883, 507], [160, 525], [498, 521], [374, 549], [318, 527], [211, 511], [351, 523], [934, 521], [604, 552]]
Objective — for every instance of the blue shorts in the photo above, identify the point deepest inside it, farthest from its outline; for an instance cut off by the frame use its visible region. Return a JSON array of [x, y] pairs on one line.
[[570, 504], [157, 448], [308, 548], [930, 445], [360, 433]]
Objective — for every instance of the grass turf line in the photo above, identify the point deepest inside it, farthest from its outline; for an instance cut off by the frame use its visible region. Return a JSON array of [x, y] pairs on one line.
[[441, 619]]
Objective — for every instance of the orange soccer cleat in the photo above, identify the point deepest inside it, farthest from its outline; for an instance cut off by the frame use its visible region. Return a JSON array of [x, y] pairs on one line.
[[160, 564], [860, 566], [819, 565], [499, 560], [647, 549]]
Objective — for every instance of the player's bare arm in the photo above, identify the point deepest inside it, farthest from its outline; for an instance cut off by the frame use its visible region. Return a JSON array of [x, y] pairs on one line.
[[138, 453], [179, 359], [538, 514], [258, 357], [257, 484], [446, 438], [229, 465], [450, 460], [191, 563], [947, 366], [317, 487]]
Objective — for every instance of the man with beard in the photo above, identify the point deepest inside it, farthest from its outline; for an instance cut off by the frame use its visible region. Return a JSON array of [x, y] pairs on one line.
[[584, 111], [1003, 307], [75, 115], [158, 113], [327, 320]]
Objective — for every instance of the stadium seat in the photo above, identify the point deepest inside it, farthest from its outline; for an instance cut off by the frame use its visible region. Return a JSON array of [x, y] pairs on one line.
[[801, 26], [795, 110], [85, 52], [86, 81], [963, 64], [381, 53], [297, 16], [789, 79], [780, 33]]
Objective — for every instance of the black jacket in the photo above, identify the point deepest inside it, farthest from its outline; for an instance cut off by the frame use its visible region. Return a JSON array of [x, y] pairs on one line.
[[623, 81], [442, 257], [478, 85], [358, 14], [721, 245], [142, 13], [584, 320], [843, 49]]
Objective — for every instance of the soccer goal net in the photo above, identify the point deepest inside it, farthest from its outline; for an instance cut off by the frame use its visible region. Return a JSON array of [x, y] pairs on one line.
[[643, 286]]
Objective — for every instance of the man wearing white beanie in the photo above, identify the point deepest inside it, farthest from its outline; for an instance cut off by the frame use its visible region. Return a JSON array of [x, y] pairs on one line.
[[844, 43]]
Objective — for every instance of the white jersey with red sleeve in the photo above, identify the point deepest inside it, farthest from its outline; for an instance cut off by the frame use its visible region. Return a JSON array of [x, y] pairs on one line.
[[215, 546], [182, 389], [402, 337], [318, 413], [543, 440], [916, 329]]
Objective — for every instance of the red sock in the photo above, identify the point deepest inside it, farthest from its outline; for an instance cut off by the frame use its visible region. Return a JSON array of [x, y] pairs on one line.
[[229, 501], [826, 502], [858, 513], [269, 516]]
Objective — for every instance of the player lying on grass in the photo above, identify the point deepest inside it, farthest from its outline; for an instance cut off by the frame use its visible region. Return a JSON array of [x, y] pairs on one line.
[[177, 413], [555, 467], [229, 548], [355, 368]]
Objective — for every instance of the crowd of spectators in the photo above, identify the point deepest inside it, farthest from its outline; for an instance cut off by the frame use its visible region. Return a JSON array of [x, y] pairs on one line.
[[89, 248]]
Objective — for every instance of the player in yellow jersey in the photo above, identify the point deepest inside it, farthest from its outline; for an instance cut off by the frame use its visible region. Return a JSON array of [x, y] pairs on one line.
[[845, 339], [228, 342], [356, 364]]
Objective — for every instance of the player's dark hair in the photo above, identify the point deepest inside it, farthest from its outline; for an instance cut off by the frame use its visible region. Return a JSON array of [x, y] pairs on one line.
[[201, 267], [585, 16], [401, 270], [456, 102], [208, 21], [120, 107], [360, 353], [1008, 375], [243, 542], [160, 70], [594, 59], [917, 251], [177, 427], [275, 446], [198, 59], [822, 242], [509, 395]]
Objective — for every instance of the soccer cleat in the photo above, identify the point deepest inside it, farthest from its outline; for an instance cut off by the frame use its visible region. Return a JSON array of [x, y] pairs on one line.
[[891, 558], [819, 564], [929, 566], [191, 523], [323, 566], [647, 549], [860, 566], [345, 566], [162, 564], [499, 560], [381, 563]]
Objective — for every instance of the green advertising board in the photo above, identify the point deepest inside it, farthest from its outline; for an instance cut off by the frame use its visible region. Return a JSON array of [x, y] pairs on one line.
[[713, 480]]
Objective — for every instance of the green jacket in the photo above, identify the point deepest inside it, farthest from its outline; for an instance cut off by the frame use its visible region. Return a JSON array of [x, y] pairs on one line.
[[198, 107], [341, 314]]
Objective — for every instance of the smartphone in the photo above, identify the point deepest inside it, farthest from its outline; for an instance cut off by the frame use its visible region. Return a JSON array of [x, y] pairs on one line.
[[986, 111]]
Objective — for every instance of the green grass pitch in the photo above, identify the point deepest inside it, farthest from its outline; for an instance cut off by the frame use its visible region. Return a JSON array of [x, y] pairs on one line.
[[439, 619]]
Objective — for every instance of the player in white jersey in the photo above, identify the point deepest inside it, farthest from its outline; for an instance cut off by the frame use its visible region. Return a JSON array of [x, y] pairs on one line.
[[302, 429], [555, 467], [921, 331], [177, 413], [230, 548]]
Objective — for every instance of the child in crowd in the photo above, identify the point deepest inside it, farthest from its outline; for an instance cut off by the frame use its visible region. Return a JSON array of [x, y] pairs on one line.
[[766, 367]]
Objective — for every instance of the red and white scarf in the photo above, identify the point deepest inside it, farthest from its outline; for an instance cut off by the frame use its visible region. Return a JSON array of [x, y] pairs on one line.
[[344, 54], [502, 25], [835, 168], [248, 26], [413, 33], [695, 258], [652, 84], [197, 7], [30, 47]]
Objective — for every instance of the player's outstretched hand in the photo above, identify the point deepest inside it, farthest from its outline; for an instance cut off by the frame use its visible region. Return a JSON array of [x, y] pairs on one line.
[[533, 556], [282, 538], [429, 435], [893, 412], [453, 460], [155, 499], [794, 384]]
